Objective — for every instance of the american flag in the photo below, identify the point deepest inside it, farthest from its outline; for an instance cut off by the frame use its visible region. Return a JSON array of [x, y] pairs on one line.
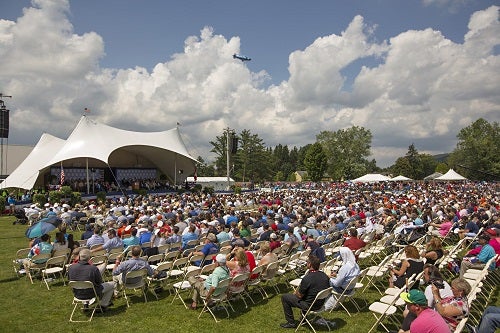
[[63, 177]]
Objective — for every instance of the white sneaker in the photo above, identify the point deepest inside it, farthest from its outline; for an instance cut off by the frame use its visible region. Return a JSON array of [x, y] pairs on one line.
[[22, 271]]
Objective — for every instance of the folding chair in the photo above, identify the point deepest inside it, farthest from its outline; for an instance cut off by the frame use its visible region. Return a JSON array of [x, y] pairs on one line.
[[184, 285], [382, 310], [269, 278], [155, 260], [17, 262], [162, 276], [254, 282], [320, 296], [54, 266], [135, 280], [36, 264], [90, 304], [237, 287], [346, 294], [216, 301]]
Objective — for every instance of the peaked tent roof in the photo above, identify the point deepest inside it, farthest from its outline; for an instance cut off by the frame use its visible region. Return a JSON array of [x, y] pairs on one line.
[[98, 145], [25, 175], [451, 175], [371, 177], [399, 178], [433, 176]]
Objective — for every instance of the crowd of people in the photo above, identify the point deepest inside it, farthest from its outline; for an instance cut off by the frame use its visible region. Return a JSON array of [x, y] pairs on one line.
[[302, 219]]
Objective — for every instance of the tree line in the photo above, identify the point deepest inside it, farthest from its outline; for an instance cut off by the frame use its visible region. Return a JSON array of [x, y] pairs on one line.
[[344, 155]]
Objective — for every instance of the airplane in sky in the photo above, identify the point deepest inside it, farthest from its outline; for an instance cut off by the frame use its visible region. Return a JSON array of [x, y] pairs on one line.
[[241, 57]]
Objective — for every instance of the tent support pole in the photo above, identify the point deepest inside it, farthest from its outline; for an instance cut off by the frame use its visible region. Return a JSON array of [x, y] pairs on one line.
[[87, 169], [117, 183]]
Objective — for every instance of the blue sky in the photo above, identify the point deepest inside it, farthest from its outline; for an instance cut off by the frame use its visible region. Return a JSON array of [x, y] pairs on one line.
[[122, 42]]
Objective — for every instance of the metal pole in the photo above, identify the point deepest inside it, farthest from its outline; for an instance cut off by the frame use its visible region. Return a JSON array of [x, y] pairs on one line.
[[87, 169], [228, 131]]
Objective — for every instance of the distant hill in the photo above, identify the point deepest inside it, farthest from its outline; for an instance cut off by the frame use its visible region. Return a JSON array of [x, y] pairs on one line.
[[441, 157]]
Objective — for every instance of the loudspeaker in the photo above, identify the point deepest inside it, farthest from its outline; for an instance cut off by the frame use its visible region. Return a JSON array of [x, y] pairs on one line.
[[234, 145], [4, 123]]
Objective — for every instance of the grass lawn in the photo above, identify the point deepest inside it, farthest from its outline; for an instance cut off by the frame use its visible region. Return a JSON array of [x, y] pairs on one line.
[[33, 308]]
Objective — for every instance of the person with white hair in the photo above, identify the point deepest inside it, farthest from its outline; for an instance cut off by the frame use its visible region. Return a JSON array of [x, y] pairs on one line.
[[209, 287]]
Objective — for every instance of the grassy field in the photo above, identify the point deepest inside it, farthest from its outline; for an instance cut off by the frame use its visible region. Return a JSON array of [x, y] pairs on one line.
[[33, 308]]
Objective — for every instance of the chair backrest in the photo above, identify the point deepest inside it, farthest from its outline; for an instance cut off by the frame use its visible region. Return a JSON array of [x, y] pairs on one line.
[[163, 248], [319, 296], [41, 258], [171, 256], [82, 285], [175, 246], [207, 269], [164, 266], [155, 258], [96, 260], [256, 271], [238, 283], [62, 252], [271, 269], [135, 277], [22, 253], [56, 261]]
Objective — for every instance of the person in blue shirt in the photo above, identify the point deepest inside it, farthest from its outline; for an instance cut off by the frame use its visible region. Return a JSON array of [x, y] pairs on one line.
[[145, 236], [190, 235], [132, 240], [487, 252]]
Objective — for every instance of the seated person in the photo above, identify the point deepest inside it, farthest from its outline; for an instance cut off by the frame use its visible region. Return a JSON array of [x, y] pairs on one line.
[[209, 287], [453, 308], [208, 250], [412, 265], [267, 258], [478, 262], [340, 280], [433, 251], [43, 247]]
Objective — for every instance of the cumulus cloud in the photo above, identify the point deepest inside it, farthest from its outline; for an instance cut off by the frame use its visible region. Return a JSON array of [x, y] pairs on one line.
[[423, 88]]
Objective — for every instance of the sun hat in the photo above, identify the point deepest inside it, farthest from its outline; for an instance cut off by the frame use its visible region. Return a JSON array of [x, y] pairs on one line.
[[273, 236], [414, 297]]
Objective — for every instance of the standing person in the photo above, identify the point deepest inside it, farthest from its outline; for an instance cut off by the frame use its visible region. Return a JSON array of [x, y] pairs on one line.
[[85, 271], [428, 320], [312, 283]]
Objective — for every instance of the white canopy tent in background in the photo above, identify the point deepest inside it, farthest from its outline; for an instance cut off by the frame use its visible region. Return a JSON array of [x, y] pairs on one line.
[[25, 175], [95, 145], [371, 177], [218, 183], [399, 178], [451, 175]]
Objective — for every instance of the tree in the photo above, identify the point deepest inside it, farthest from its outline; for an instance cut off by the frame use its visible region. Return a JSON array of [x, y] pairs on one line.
[[347, 151], [402, 167], [203, 169], [315, 162], [252, 161], [477, 153], [442, 168]]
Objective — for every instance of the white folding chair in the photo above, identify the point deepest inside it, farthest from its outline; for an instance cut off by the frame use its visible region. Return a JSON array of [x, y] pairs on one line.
[[320, 296], [91, 304]]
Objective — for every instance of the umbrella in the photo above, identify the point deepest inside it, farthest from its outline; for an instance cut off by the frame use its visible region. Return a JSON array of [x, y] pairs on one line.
[[43, 226]]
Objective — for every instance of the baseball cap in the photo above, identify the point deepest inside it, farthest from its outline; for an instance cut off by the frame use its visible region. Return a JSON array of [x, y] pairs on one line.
[[414, 297]]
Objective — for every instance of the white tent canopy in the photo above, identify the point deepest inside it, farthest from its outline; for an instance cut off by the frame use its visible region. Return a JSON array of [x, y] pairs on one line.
[[451, 175], [399, 178], [371, 177], [95, 145], [25, 175]]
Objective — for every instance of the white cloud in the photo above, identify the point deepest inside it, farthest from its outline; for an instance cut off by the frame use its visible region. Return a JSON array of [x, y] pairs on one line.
[[424, 89]]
